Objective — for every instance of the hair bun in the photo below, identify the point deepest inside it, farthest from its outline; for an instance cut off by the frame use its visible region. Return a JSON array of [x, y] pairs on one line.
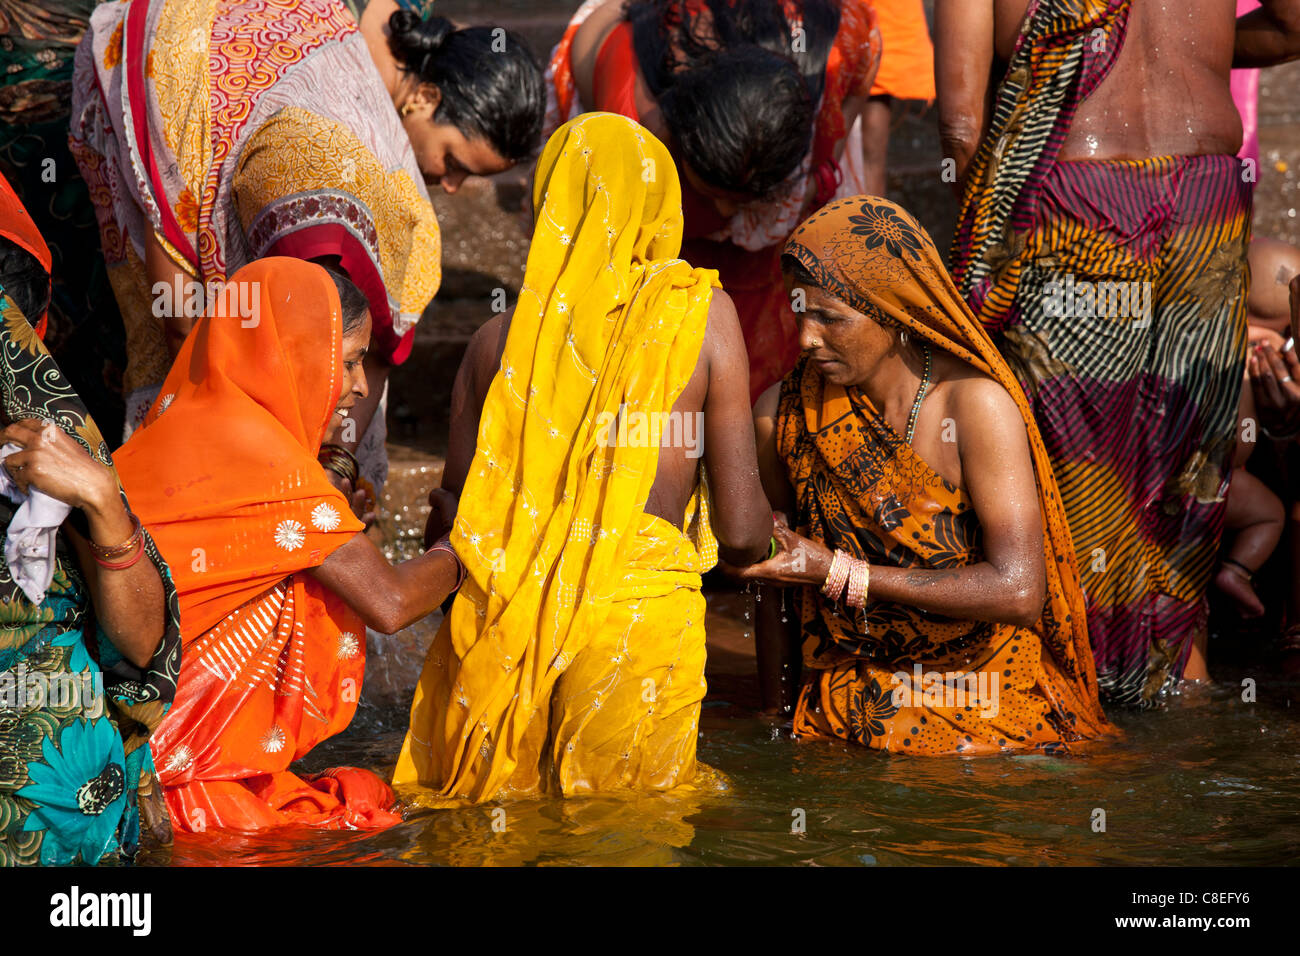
[[414, 38]]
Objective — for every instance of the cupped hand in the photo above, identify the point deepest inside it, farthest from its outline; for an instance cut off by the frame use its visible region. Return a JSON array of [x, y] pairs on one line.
[[800, 560], [360, 500], [1275, 381], [52, 461]]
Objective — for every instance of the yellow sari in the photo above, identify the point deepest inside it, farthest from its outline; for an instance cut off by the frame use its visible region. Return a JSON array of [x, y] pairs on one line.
[[573, 657]]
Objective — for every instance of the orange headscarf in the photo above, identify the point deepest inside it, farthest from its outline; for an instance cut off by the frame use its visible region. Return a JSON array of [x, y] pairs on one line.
[[872, 255], [17, 226], [224, 469]]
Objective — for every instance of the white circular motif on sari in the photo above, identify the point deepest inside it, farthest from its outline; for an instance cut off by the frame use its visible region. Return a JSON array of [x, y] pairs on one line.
[[166, 402], [324, 517], [348, 645], [273, 740], [289, 535], [178, 760]]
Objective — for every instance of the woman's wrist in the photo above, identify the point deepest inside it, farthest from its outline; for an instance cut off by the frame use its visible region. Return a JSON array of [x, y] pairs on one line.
[[107, 518]]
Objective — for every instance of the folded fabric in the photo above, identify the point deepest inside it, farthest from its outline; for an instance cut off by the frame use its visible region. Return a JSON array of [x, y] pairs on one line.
[[29, 546]]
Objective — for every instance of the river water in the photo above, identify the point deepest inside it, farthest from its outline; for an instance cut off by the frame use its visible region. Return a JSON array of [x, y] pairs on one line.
[[1210, 780]]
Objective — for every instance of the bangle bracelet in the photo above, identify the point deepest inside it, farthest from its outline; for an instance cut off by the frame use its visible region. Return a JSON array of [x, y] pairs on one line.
[[771, 549], [859, 577], [121, 565], [118, 550], [837, 575], [339, 460], [444, 544], [1284, 436]]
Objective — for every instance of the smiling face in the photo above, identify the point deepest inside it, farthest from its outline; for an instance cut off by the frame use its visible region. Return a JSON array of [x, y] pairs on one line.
[[355, 345], [444, 154], [845, 344]]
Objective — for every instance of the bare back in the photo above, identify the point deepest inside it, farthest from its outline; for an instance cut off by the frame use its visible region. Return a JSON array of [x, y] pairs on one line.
[[713, 424], [1168, 92]]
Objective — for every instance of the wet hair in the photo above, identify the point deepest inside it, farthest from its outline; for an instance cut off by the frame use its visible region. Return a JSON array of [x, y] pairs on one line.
[[738, 94], [487, 92], [24, 280], [352, 301]]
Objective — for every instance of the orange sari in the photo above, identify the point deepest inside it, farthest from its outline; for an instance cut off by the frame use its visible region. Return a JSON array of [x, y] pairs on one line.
[[892, 677], [224, 473]]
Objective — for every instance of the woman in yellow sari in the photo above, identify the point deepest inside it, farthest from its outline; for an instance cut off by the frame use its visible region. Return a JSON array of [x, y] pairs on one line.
[[941, 610], [573, 657]]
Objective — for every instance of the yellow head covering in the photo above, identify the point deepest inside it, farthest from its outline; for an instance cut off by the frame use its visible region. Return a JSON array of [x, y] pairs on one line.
[[608, 319]]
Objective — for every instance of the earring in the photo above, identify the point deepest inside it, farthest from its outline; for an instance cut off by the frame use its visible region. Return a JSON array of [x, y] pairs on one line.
[[902, 337], [406, 110]]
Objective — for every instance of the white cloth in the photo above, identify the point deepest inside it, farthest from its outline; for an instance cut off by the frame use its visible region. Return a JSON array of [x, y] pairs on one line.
[[29, 545]]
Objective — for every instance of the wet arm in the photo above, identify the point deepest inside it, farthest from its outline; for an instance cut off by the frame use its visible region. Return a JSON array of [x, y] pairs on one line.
[[388, 598], [1268, 36], [963, 64], [1009, 585], [741, 515]]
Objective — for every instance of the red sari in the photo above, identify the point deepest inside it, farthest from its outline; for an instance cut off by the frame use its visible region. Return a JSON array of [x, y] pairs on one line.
[[224, 473], [746, 250]]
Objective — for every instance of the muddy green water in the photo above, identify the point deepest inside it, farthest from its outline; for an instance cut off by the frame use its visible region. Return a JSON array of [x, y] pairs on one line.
[[1211, 781]]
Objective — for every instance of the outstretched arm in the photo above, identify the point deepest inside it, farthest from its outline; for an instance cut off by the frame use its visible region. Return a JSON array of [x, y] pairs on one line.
[[387, 598], [963, 65], [1009, 585]]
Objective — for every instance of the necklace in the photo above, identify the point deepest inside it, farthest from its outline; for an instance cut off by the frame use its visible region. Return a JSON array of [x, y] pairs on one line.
[[920, 394]]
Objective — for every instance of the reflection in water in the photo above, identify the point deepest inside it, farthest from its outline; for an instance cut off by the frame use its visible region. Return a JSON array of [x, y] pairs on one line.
[[1212, 784]]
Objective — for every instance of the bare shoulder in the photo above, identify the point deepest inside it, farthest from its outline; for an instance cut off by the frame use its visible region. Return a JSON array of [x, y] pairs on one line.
[[979, 400], [769, 402]]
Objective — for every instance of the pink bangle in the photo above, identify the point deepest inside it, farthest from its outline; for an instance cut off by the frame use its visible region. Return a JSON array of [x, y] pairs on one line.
[[859, 577], [837, 575], [444, 544]]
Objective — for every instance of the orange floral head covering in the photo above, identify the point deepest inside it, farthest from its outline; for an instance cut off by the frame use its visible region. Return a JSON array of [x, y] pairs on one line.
[[872, 255], [224, 469], [17, 226]]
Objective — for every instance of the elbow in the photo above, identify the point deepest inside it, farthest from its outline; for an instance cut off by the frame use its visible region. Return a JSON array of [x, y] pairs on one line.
[[960, 137], [746, 548], [1024, 604], [387, 617]]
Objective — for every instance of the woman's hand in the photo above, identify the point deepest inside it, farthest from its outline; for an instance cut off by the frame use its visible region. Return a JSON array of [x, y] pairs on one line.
[[442, 515], [360, 500], [52, 461], [800, 561], [1275, 380]]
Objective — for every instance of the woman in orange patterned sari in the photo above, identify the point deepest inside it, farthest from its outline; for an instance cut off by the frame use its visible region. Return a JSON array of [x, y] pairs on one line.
[[277, 583], [902, 443]]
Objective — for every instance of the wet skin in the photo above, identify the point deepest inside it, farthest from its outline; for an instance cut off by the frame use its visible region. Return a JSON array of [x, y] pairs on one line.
[[387, 598], [587, 42], [1166, 95], [718, 387], [987, 456]]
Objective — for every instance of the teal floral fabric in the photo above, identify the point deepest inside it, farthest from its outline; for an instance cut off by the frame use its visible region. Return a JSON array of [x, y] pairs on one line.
[[76, 776]]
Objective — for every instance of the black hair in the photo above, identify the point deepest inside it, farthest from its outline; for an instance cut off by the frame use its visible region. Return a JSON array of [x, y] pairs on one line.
[[352, 301], [491, 85], [24, 280], [739, 87], [792, 267]]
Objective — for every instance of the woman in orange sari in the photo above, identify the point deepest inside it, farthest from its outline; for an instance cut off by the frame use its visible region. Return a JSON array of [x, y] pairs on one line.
[[940, 609], [277, 583], [757, 102]]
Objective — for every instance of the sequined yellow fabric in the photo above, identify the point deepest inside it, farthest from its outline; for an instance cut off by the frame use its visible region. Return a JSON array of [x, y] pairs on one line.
[[573, 655]]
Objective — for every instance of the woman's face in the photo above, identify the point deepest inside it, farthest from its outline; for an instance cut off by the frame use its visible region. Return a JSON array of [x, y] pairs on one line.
[[355, 345], [842, 342], [446, 155]]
